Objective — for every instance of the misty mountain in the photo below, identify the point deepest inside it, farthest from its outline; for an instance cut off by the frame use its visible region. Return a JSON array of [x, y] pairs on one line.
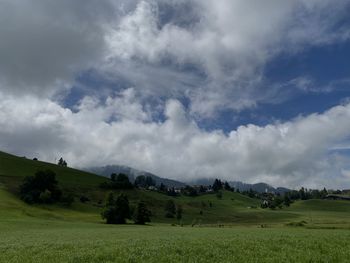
[[132, 173]]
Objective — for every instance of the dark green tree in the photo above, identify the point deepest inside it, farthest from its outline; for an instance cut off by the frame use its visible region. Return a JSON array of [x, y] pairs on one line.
[[277, 202], [170, 209], [324, 193], [227, 187], [162, 188], [286, 200], [113, 177], [179, 212], [144, 181], [217, 185], [117, 210], [40, 188], [142, 214], [190, 191], [140, 181]]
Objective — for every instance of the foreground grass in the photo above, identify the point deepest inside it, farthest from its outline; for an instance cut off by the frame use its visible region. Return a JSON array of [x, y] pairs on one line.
[[55, 241]]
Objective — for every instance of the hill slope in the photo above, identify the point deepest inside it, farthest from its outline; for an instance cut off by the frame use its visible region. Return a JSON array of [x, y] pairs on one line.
[[232, 208], [16, 168]]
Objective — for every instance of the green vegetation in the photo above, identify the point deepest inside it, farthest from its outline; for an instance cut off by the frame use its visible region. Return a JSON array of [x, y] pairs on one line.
[[232, 228], [50, 241]]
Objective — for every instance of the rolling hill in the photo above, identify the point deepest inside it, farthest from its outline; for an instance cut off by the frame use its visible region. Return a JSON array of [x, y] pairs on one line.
[[232, 208]]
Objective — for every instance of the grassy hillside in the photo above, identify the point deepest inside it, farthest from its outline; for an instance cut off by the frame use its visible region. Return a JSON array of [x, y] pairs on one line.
[[15, 168], [233, 208]]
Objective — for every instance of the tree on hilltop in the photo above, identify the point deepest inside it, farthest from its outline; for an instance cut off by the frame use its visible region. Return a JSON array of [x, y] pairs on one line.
[[62, 162], [217, 185]]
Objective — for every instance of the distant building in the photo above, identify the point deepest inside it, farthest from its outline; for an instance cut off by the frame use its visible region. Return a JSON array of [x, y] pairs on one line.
[[152, 188]]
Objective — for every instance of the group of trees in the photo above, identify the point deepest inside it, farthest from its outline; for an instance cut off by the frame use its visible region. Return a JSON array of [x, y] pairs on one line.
[[43, 188], [118, 181], [117, 211], [142, 181], [271, 200], [62, 162], [219, 185], [305, 194], [121, 182]]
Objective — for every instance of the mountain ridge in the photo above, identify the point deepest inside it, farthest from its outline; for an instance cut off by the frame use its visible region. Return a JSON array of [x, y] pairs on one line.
[[132, 173]]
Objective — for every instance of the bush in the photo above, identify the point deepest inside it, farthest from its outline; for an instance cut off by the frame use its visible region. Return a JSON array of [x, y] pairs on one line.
[[84, 199], [67, 199]]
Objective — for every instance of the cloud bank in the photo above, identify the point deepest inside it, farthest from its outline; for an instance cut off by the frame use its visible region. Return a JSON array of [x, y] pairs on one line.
[[159, 68], [119, 130]]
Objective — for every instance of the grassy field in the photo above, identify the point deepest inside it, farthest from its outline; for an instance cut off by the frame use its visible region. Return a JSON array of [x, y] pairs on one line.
[[53, 241], [231, 229]]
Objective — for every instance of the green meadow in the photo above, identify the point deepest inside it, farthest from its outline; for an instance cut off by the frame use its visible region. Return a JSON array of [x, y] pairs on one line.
[[231, 229]]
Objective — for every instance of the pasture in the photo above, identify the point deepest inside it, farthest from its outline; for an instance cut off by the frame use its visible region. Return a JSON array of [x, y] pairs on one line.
[[58, 241]]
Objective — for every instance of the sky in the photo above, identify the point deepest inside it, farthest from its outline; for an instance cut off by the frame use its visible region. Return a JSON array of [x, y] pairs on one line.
[[252, 91]]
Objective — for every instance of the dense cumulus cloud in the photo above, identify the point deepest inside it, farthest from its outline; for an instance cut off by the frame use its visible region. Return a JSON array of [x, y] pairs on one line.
[[155, 55], [290, 153]]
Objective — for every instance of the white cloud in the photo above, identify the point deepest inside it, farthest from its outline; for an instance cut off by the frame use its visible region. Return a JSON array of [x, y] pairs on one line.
[[211, 53], [293, 153], [229, 42], [45, 43]]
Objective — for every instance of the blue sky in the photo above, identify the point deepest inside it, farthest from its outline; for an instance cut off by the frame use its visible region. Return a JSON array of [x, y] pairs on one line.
[[325, 69], [249, 91]]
